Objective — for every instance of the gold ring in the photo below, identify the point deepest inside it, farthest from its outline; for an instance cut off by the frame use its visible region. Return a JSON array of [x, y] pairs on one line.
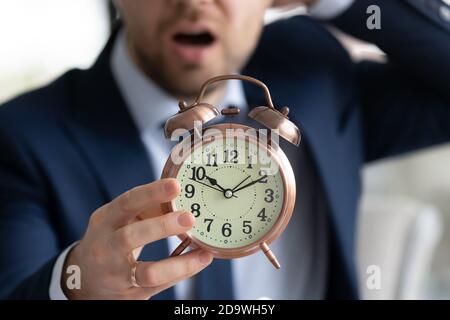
[[133, 275]]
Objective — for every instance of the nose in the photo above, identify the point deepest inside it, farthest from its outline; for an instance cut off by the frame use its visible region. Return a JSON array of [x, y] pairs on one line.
[[191, 9]]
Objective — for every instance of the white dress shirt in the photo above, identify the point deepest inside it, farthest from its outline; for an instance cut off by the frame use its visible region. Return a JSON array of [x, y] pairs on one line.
[[329, 9], [304, 271]]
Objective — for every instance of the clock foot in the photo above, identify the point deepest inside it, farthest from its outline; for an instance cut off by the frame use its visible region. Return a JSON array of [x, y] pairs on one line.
[[181, 247], [270, 255]]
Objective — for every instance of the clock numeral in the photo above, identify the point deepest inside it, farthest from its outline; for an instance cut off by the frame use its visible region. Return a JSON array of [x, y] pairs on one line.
[[247, 228], [269, 195], [190, 191], [262, 215], [198, 173], [263, 175], [209, 222], [226, 230], [195, 209], [231, 156], [212, 160]]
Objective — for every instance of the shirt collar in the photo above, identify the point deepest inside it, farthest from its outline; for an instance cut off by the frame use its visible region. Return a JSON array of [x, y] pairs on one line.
[[148, 104]]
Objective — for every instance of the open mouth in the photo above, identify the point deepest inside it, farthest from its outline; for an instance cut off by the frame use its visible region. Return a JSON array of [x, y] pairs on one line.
[[193, 44], [197, 39]]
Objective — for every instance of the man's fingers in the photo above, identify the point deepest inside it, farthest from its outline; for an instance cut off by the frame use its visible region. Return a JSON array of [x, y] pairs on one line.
[[128, 205], [140, 233], [156, 290], [174, 269], [146, 293]]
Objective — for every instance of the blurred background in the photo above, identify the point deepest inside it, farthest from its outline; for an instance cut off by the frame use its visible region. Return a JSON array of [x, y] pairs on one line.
[[404, 219]]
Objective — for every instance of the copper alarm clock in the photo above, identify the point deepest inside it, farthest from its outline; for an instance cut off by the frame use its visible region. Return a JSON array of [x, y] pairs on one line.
[[235, 179]]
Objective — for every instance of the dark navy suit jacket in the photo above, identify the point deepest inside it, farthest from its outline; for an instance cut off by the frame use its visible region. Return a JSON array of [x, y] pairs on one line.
[[70, 147]]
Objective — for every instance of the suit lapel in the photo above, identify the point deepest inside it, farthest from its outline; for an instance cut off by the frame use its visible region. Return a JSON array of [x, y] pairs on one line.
[[104, 132]]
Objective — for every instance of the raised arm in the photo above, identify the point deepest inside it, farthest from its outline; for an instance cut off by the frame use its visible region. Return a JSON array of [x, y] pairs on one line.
[[406, 101]]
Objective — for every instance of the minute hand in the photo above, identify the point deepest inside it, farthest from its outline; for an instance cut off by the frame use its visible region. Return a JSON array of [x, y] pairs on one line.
[[250, 184]]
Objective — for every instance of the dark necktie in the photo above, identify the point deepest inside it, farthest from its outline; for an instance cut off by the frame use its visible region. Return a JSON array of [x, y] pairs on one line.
[[215, 282]]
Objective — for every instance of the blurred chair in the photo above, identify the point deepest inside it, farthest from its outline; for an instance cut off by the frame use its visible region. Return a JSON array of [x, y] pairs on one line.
[[400, 235]]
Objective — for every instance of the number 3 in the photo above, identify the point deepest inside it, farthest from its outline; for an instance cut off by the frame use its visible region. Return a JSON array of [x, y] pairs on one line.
[[269, 195]]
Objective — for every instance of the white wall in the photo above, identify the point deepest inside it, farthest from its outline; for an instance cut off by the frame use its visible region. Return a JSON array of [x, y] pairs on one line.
[[41, 39]]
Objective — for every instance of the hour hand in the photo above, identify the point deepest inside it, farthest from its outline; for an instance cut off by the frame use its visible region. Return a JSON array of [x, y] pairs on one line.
[[214, 183], [227, 193], [206, 185]]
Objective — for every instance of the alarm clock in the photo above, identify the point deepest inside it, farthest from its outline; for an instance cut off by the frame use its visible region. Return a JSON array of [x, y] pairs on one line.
[[235, 179]]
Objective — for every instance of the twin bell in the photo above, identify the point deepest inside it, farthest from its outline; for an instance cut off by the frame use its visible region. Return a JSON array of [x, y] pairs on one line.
[[200, 112]]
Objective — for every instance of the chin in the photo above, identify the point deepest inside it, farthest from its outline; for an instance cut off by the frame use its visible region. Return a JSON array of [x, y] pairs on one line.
[[189, 84]]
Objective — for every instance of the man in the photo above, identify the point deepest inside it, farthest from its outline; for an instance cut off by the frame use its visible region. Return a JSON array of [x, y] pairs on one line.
[[79, 156]]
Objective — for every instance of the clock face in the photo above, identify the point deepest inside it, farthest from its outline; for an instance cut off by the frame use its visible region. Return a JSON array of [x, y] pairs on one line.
[[234, 192]]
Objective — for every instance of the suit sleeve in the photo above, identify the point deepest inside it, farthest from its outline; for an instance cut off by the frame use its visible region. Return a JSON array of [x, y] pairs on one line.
[[406, 101], [28, 244]]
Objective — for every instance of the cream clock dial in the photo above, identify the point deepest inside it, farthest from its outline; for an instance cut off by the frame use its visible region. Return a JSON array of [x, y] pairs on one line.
[[233, 191]]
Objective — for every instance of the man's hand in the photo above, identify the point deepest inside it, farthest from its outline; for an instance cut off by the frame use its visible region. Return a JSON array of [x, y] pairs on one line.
[[115, 236]]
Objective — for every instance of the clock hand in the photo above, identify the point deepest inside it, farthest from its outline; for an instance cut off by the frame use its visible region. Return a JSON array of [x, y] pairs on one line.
[[240, 184], [207, 185], [212, 187], [250, 184], [226, 192], [214, 183]]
